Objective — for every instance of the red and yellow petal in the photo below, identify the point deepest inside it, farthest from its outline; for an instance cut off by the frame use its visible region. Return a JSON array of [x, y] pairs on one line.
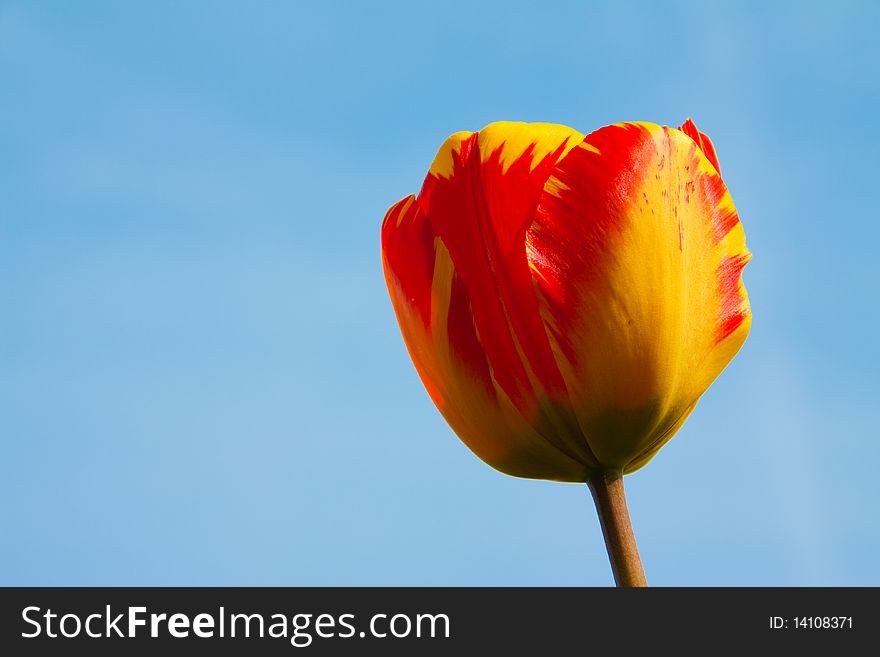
[[480, 198], [434, 311], [636, 252]]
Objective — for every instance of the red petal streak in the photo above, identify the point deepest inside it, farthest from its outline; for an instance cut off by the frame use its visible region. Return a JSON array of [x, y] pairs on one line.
[[690, 129], [463, 337], [733, 312], [724, 216], [408, 245], [482, 212]]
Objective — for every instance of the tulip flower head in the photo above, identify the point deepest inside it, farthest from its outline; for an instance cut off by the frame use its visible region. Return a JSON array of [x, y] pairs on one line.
[[567, 299]]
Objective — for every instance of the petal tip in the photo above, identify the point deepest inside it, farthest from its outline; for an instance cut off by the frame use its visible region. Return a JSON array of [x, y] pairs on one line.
[[702, 141], [444, 162]]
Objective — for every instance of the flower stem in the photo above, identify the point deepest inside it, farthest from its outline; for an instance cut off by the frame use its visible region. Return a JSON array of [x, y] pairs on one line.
[[607, 490]]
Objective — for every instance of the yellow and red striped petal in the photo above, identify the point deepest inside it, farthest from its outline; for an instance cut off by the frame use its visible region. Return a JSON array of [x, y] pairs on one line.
[[434, 312], [480, 198], [637, 251]]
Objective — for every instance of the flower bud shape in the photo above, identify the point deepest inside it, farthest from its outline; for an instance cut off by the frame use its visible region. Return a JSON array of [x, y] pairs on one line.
[[567, 299]]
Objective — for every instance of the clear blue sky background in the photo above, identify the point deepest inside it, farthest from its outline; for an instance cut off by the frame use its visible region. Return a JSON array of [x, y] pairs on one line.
[[201, 377]]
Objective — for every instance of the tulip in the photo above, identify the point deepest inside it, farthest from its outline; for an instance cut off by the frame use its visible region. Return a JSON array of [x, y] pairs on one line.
[[567, 299]]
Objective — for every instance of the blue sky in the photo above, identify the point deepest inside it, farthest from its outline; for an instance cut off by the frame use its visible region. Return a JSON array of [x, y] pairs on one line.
[[201, 377]]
